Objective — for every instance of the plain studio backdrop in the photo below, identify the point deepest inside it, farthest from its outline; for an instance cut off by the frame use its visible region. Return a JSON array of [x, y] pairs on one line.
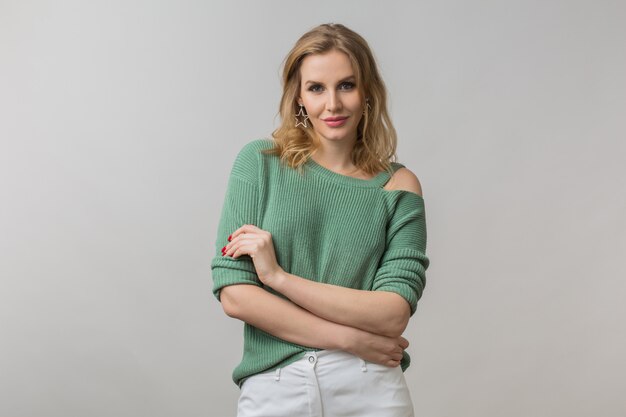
[[120, 120]]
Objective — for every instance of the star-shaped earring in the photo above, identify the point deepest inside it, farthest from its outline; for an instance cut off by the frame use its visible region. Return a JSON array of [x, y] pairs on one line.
[[305, 117]]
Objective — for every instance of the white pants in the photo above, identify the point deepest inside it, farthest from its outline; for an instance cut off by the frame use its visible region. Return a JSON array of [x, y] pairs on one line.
[[328, 383]]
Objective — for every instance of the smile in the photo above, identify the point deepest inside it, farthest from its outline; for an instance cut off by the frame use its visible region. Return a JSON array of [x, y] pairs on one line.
[[335, 121]]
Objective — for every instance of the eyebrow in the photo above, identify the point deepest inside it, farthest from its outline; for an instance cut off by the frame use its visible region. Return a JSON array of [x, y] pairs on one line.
[[350, 78]]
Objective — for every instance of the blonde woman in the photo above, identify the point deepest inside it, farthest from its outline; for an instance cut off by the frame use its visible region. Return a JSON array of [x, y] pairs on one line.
[[322, 242]]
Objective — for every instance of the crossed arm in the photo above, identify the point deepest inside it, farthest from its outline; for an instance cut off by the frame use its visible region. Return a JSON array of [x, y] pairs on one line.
[[379, 312], [368, 324], [324, 315], [286, 320]]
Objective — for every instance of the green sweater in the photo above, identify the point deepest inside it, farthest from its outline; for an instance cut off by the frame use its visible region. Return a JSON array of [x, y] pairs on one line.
[[326, 227]]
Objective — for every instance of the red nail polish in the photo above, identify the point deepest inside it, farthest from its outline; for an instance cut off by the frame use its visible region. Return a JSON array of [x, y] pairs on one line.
[[223, 249], [229, 237]]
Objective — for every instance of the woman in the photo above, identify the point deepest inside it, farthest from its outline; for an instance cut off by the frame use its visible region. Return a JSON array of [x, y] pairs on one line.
[[323, 243]]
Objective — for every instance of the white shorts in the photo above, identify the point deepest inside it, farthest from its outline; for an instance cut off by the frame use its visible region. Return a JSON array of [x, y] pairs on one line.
[[328, 383]]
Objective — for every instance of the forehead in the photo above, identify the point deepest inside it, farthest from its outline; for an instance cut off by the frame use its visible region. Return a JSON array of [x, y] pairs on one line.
[[327, 66]]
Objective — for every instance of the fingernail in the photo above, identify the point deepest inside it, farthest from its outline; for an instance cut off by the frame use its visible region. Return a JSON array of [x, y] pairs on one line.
[[229, 237]]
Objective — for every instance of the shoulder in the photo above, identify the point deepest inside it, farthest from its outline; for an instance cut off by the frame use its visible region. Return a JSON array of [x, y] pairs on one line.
[[246, 164], [251, 150], [255, 146], [405, 179]]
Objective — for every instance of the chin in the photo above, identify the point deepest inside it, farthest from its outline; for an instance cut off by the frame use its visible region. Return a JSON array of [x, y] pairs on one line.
[[335, 138], [336, 135]]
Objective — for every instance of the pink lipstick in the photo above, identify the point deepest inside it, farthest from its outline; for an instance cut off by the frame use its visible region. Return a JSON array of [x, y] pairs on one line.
[[335, 121]]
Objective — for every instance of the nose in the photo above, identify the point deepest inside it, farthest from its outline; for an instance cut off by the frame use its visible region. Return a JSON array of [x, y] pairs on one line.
[[333, 103]]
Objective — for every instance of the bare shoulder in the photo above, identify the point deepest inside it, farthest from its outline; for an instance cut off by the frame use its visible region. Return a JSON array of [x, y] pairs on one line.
[[404, 179]]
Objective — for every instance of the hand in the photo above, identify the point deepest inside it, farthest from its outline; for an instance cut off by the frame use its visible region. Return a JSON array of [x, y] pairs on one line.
[[257, 243], [376, 348]]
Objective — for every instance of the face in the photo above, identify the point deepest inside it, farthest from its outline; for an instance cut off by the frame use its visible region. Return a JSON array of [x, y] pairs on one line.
[[330, 96]]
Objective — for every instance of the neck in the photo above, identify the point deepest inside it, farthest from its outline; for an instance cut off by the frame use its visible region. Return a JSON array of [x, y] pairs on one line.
[[335, 155]]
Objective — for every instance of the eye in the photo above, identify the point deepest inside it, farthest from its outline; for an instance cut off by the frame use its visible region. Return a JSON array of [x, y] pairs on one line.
[[346, 85], [316, 88]]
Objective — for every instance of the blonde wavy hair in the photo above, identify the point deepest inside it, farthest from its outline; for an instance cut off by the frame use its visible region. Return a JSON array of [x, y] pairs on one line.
[[376, 141]]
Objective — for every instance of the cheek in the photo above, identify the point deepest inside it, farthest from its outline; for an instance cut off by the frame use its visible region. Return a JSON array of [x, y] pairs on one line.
[[313, 106], [355, 103]]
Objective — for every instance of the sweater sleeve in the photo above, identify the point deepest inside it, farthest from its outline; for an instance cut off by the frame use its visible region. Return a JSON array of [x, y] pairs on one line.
[[402, 268], [240, 207]]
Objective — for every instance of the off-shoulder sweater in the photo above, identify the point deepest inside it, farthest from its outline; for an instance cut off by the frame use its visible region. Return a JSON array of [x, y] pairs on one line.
[[325, 226]]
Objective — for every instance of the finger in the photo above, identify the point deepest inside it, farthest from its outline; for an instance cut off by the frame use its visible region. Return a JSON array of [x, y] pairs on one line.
[[398, 351], [393, 363], [403, 343], [237, 240], [246, 228], [242, 246], [240, 250], [249, 247]]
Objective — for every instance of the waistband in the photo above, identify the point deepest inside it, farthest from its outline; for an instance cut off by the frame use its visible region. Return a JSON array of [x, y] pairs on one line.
[[312, 357]]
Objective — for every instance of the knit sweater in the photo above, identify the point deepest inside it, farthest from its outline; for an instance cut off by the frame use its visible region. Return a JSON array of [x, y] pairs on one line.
[[326, 227]]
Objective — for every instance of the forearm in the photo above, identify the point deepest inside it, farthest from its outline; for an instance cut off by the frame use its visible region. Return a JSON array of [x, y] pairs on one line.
[[283, 319], [378, 312]]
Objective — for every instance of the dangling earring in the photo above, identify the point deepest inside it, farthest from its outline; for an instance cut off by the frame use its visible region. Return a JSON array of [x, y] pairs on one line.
[[368, 107], [305, 117]]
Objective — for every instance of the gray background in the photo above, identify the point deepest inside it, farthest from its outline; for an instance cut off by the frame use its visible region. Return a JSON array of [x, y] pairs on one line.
[[119, 122]]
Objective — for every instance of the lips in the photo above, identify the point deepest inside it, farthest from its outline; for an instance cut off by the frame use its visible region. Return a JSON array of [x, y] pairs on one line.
[[335, 121]]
